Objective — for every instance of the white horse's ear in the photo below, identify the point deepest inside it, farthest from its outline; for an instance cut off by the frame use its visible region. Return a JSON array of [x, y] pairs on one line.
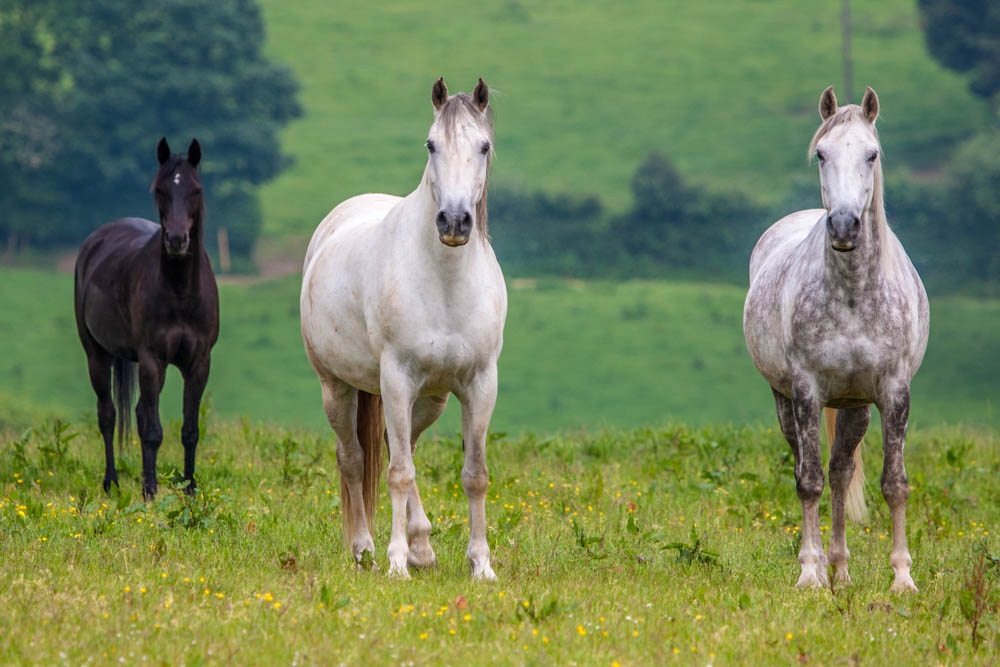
[[827, 103], [869, 105], [439, 93], [481, 95]]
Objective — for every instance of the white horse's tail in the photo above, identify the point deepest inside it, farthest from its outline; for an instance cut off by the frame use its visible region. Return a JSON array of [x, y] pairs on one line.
[[857, 509], [371, 427]]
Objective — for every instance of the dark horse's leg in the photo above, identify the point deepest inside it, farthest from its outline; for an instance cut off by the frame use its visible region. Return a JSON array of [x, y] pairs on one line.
[[147, 417], [99, 365], [852, 423], [195, 379], [799, 419]]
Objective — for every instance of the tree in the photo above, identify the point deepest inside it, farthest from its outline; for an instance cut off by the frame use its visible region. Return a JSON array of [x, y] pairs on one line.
[[678, 228], [96, 84], [964, 35]]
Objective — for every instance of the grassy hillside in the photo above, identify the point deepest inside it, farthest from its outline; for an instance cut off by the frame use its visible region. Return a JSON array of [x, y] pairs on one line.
[[575, 355], [583, 91], [622, 547]]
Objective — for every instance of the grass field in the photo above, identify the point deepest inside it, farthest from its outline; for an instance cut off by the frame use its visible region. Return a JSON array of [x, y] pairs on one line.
[[576, 355], [584, 91], [612, 547]]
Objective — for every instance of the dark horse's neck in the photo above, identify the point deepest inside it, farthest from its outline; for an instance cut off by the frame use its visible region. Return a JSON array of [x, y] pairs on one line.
[[182, 274]]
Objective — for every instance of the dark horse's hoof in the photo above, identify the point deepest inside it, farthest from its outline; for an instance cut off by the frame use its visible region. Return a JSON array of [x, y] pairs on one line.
[[190, 488], [107, 484]]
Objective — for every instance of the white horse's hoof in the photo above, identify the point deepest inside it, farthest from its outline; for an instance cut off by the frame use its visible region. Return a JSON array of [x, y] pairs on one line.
[[903, 584], [484, 573], [421, 556], [810, 580]]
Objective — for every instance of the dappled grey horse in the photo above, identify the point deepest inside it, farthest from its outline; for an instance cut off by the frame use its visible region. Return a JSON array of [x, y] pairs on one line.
[[836, 316]]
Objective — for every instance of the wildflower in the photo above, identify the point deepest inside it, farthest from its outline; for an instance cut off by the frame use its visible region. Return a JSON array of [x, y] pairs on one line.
[[788, 636], [581, 631], [277, 605]]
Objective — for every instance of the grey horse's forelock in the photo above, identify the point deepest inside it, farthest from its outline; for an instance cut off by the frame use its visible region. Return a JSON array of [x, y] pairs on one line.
[[451, 114], [851, 113]]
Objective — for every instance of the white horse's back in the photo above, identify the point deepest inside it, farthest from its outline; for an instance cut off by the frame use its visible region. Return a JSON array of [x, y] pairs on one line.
[[363, 209]]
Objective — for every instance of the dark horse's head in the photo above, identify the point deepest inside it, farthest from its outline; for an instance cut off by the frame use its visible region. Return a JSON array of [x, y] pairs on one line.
[[177, 191]]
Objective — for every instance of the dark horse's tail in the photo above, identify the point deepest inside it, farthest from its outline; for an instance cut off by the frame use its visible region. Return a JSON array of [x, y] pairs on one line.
[[124, 388]]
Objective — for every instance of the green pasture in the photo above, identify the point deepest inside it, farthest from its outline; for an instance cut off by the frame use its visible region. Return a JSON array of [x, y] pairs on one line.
[[577, 355], [638, 547], [583, 91]]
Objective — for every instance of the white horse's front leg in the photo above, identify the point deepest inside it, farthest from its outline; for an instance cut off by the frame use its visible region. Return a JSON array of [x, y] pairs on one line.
[[397, 399], [477, 409]]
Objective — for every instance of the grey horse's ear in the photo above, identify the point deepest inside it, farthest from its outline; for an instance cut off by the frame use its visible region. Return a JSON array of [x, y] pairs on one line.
[[827, 103], [869, 105], [439, 94], [481, 95], [163, 150]]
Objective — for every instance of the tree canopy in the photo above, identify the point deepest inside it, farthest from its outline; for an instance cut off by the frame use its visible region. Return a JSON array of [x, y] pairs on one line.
[[964, 35], [87, 89]]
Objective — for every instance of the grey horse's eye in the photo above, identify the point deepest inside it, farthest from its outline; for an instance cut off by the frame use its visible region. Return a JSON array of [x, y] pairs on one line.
[[430, 146]]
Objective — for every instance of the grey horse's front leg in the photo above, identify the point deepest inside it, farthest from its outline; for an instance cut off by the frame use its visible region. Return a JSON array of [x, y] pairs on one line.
[[852, 423], [895, 411], [809, 483]]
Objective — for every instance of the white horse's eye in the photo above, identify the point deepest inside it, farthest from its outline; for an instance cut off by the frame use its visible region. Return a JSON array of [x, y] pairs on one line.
[[820, 156], [485, 148], [872, 157], [430, 146]]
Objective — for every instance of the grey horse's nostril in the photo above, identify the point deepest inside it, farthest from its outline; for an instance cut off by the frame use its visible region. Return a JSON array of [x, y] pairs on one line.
[[441, 217]]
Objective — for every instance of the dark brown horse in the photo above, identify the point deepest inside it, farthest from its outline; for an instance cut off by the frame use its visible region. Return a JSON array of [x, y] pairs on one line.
[[145, 294]]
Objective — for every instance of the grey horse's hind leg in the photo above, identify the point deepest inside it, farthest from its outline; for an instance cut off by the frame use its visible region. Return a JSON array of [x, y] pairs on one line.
[[895, 411], [799, 419], [852, 423]]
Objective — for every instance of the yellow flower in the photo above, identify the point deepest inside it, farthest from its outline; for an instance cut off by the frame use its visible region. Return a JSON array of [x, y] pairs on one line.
[[423, 635], [277, 605], [467, 617], [581, 630], [788, 636]]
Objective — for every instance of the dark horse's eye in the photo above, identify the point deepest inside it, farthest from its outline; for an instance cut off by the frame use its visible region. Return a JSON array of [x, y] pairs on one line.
[[430, 146], [485, 148]]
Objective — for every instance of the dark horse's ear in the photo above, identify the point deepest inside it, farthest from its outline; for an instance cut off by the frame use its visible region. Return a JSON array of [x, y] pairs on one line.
[[869, 105], [827, 103], [163, 150], [481, 95], [194, 153], [439, 93]]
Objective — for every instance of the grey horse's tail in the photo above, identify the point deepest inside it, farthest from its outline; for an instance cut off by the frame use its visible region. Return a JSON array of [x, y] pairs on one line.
[[857, 509], [124, 388]]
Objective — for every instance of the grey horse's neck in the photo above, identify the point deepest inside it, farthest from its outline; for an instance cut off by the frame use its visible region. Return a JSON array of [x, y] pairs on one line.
[[857, 270]]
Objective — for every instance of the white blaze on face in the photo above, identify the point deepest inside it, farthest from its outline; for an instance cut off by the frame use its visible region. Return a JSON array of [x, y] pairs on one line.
[[458, 165], [177, 178]]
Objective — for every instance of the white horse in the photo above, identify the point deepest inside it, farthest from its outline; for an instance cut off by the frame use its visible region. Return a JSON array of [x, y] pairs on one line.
[[403, 303], [836, 316]]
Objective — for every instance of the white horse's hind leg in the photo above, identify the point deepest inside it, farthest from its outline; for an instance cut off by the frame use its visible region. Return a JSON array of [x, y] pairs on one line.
[[895, 411], [426, 410], [799, 420], [477, 409], [852, 423], [398, 396], [340, 403]]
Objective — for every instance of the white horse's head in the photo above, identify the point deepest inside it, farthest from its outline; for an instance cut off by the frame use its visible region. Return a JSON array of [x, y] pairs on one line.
[[459, 147], [847, 148]]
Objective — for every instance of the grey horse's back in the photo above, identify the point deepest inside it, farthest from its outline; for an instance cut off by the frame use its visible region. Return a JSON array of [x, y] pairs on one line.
[[782, 236]]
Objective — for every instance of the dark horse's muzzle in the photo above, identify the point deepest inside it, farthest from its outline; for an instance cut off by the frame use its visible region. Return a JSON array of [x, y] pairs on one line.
[[454, 226], [176, 245], [843, 229]]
